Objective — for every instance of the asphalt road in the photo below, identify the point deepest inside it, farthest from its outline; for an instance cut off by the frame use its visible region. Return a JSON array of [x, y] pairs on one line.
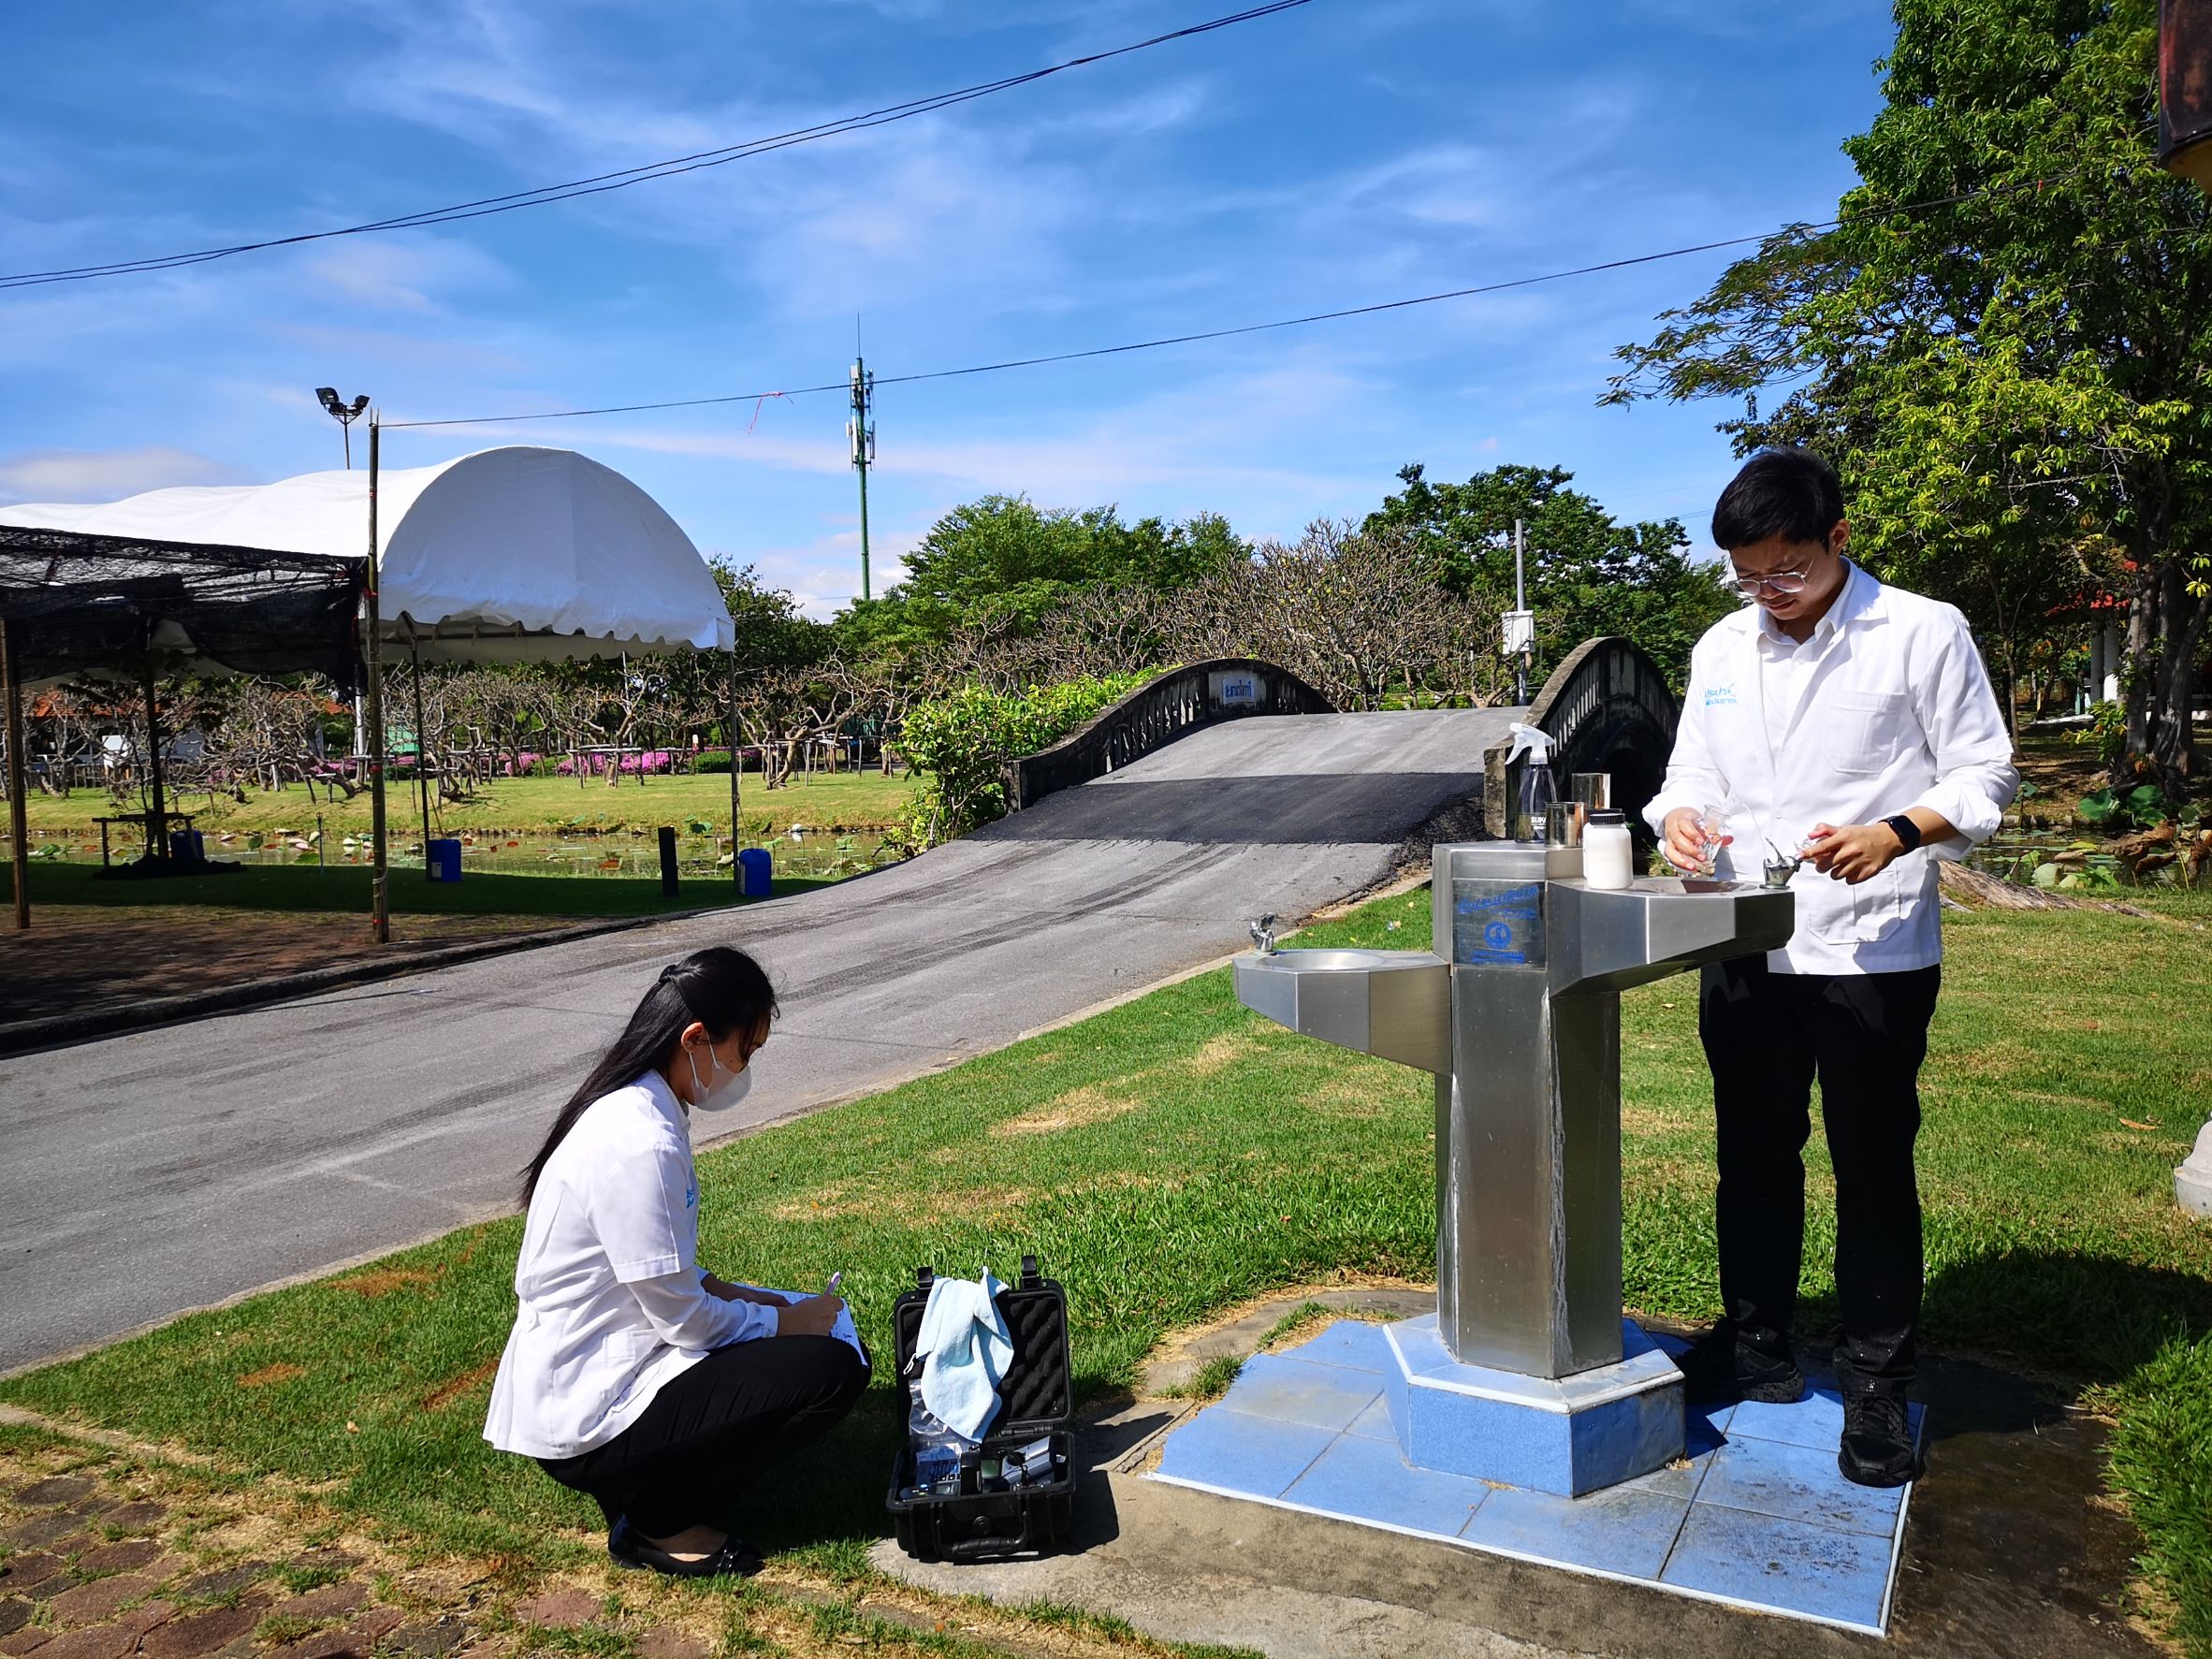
[[166, 1169]]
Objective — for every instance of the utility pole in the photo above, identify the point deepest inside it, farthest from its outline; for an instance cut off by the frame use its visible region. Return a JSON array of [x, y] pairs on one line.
[[380, 896], [1519, 628], [861, 431]]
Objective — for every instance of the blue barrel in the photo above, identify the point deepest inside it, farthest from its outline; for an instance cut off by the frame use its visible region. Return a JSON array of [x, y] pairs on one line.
[[755, 867], [444, 860], [188, 847]]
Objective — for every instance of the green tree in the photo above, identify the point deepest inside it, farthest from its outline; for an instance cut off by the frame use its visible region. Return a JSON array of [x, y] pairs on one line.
[[1588, 574], [2004, 342], [1004, 558]]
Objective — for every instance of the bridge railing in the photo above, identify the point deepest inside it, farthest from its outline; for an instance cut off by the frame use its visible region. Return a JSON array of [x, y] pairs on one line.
[[1176, 704], [1608, 709]]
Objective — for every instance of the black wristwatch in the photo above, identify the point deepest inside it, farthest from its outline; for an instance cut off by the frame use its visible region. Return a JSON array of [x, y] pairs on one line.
[[1907, 831]]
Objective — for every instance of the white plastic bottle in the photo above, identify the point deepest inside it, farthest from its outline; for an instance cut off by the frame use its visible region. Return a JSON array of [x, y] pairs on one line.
[[1609, 856]]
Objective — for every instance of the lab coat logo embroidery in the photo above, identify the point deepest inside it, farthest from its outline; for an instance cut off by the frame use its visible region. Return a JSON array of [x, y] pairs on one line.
[[691, 1196], [1717, 695]]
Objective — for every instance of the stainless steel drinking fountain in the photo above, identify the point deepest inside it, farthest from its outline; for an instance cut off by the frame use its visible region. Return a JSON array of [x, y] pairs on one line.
[[1527, 1373]]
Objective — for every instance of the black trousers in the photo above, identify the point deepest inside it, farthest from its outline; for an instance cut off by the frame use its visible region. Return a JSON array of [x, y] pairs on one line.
[[1767, 1036], [709, 1431]]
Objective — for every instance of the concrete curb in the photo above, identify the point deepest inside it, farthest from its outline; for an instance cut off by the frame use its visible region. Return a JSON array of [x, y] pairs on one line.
[[65, 1031]]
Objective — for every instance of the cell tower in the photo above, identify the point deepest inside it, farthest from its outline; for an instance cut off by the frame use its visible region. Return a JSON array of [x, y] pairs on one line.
[[861, 431]]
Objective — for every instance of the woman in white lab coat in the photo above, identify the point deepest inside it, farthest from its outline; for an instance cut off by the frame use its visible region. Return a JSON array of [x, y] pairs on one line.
[[632, 1373]]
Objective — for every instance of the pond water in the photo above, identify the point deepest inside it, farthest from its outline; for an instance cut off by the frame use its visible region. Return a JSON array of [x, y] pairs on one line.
[[2069, 860], [624, 854]]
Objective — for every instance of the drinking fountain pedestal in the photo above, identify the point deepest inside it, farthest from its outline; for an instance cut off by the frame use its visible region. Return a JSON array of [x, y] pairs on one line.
[[1526, 1416]]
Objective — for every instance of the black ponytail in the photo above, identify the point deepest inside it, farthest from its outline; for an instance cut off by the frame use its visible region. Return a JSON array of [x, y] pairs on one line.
[[721, 987]]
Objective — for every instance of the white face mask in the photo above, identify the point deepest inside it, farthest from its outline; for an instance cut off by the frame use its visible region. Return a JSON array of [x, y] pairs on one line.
[[723, 1093]]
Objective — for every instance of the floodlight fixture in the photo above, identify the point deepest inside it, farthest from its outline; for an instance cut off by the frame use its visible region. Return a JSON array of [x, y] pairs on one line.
[[344, 413]]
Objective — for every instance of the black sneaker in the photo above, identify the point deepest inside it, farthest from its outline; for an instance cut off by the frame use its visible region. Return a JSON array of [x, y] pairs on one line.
[[1726, 1364], [1877, 1447]]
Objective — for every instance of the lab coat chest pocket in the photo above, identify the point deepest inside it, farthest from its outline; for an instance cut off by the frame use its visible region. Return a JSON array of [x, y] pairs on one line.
[[1866, 730]]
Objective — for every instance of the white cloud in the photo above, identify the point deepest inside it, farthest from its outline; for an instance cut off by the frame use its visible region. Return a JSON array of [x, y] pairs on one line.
[[106, 475]]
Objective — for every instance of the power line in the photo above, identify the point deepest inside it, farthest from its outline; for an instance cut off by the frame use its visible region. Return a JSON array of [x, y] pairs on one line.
[[1195, 337], [601, 184]]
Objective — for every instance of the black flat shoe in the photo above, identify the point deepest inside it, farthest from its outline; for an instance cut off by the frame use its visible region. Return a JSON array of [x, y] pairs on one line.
[[1724, 1365], [735, 1559]]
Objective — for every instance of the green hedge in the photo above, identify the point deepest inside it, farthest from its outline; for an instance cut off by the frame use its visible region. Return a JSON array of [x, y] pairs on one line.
[[966, 742]]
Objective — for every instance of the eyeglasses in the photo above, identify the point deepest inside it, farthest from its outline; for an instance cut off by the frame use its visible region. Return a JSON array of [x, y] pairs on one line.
[[1783, 582]]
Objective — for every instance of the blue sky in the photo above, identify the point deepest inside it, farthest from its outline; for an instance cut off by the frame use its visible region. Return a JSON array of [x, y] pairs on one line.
[[1348, 152]]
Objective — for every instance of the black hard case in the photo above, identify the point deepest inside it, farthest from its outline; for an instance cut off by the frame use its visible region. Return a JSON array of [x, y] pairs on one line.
[[1036, 1399]]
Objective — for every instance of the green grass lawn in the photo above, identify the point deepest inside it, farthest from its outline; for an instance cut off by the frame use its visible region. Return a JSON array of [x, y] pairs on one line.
[[346, 888], [1177, 1156], [825, 800]]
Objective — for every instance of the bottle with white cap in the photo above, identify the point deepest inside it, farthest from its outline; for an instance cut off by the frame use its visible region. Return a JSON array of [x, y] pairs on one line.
[[1609, 856]]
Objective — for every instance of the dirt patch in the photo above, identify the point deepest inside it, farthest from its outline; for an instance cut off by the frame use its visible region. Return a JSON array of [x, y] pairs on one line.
[[1074, 1110], [268, 1375], [382, 1281], [468, 1382], [1217, 1054], [80, 959]]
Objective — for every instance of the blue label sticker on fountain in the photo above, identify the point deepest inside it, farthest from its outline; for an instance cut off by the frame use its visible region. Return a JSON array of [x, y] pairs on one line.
[[1497, 923]]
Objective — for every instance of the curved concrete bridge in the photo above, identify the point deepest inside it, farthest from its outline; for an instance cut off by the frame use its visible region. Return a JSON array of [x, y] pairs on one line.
[[168, 1168]]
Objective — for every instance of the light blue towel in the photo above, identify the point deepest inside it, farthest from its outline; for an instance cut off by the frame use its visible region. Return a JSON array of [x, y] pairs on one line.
[[964, 1348]]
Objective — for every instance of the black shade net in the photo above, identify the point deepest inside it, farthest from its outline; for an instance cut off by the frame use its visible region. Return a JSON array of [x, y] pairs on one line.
[[75, 603]]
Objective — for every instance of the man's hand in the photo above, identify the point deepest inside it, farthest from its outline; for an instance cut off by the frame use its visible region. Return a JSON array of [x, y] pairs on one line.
[[1851, 852], [1684, 839], [812, 1317]]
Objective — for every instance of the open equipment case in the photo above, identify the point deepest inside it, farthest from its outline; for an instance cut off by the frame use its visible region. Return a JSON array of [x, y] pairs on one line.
[[989, 1519]]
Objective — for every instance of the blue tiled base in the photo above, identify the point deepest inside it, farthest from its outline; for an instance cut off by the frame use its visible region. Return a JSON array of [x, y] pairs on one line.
[[1753, 1513], [1570, 1437]]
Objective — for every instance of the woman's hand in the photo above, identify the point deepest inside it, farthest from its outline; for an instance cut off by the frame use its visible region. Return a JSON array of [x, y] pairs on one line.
[[812, 1316]]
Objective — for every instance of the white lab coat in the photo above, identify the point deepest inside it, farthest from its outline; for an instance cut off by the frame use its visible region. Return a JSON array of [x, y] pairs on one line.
[[613, 1304], [1897, 712]]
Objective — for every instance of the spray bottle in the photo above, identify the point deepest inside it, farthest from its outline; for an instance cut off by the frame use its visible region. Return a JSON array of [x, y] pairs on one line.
[[1537, 791]]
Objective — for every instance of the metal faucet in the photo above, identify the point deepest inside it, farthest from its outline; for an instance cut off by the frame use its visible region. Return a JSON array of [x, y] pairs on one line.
[[1263, 935]]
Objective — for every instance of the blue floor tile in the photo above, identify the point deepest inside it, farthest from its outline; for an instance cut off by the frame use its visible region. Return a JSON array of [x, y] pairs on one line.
[[1352, 1342], [1368, 1481], [1624, 1530], [1294, 1391], [1767, 1563], [1815, 1421], [1235, 1452], [1375, 1424], [1796, 1483], [1679, 1479]]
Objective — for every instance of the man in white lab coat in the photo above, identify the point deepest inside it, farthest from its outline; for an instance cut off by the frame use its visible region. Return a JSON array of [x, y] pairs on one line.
[[1852, 724]]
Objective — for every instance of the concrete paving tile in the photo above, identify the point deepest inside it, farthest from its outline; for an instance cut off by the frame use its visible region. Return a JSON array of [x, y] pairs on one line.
[[1356, 1345], [1294, 1391], [199, 1634], [32, 1567], [556, 1607], [1229, 1450], [1822, 1572], [1620, 1530], [1796, 1483], [55, 1490], [88, 1604], [1367, 1481], [128, 1556], [136, 1517]]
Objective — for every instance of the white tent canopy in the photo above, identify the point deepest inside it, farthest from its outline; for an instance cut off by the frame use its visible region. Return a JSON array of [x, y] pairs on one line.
[[507, 555]]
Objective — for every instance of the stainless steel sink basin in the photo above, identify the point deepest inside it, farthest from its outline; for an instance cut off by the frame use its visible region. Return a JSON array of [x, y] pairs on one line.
[[1396, 1004]]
